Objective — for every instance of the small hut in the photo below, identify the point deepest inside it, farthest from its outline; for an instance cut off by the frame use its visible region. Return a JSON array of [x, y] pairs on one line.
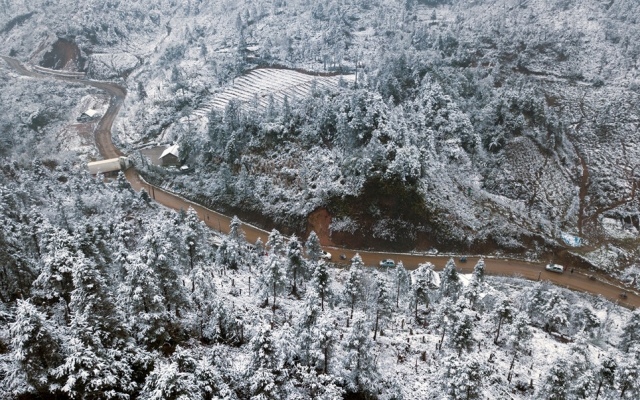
[[171, 155]]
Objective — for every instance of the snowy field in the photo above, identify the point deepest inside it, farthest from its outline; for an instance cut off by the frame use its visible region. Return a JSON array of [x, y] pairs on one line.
[[260, 84]]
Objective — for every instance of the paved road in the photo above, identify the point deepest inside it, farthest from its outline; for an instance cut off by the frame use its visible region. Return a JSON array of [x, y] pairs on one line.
[[578, 281]]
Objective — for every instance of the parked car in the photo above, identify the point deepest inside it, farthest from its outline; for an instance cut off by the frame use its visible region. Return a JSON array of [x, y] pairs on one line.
[[463, 259], [387, 263], [554, 268], [325, 255]]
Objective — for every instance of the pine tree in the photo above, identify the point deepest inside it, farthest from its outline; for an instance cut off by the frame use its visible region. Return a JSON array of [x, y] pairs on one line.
[[321, 281], [35, 351], [606, 374], [314, 251], [461, 337], [631, 333], [556, 312], [235, 231], [462, 378], [295, 262], [402, 281], [276, 242], [353, 285], [520, 333], [502, 313], [556, 382], [422, 286], [262, 370], [381, 301], [450, 283], [359, 362], [629, 375], [272, 276]]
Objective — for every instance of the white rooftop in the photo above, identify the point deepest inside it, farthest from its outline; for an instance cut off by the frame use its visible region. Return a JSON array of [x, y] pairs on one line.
[[171, 150], [91, 112]]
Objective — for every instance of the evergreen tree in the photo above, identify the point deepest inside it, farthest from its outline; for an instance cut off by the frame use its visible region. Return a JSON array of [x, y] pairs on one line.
[[314, 251], [556, 312], [629, 375], [353, 285], [35, 351], [382, 301], [450, 283], [556, 383], [461, 337], [402, 281], [295, 262], [502, 313], [606, 374], [520, 333], [631, 332], [272, 276], [262, 374], [422, 286], [321, 281], [276, 242], [462, 378], [235, 231], [359, 362]]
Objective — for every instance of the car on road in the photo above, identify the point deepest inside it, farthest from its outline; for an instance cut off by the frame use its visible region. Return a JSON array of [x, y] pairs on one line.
[[325, 255], [554, 268], [463, 259], [387, 263]]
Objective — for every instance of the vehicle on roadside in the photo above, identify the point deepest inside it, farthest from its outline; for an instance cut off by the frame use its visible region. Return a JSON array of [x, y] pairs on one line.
[[463, 259], [593, 278], [325, 255], [387, 263], [624, 295], [555, 268]]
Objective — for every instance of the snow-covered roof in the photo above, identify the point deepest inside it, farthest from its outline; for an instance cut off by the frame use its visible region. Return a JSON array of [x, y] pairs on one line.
[[91, 112], [171, 150]]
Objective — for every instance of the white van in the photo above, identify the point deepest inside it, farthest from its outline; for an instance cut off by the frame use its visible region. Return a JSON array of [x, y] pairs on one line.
[[555, 268]]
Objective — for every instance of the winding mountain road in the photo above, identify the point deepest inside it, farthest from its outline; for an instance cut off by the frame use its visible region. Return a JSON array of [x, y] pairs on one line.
[[578, 280]]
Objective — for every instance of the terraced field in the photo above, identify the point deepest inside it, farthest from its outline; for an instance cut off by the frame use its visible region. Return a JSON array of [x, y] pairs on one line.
[[265, 81]]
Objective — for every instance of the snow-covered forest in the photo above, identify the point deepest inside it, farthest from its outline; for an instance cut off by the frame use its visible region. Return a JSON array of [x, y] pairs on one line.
[[502, 127], [487, 126], [106, 295]]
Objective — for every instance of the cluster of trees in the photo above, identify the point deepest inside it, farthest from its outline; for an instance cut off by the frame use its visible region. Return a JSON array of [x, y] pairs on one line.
[[105, 295]]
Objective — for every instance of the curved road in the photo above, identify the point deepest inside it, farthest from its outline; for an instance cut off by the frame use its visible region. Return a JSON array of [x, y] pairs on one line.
[[577, 281]]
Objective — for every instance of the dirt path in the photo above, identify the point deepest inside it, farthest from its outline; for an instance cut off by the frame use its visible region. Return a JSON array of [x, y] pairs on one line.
[[577, 281]]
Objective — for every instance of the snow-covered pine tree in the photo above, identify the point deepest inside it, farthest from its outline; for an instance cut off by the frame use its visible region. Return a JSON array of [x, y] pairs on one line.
[[422, 286], [402, 281], [272, 275], [631, 333], [502, 314], [295, 263], [519, 336], [235, 231], [314, 251], [353, 285], [556, 312], [381, 301], [35, 351], [275, 243], [321, 282], [359, 360], [450, 283], [263, 370], [606, 375], [462, 378], [629, 375], [461, 336], [555, 385]]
